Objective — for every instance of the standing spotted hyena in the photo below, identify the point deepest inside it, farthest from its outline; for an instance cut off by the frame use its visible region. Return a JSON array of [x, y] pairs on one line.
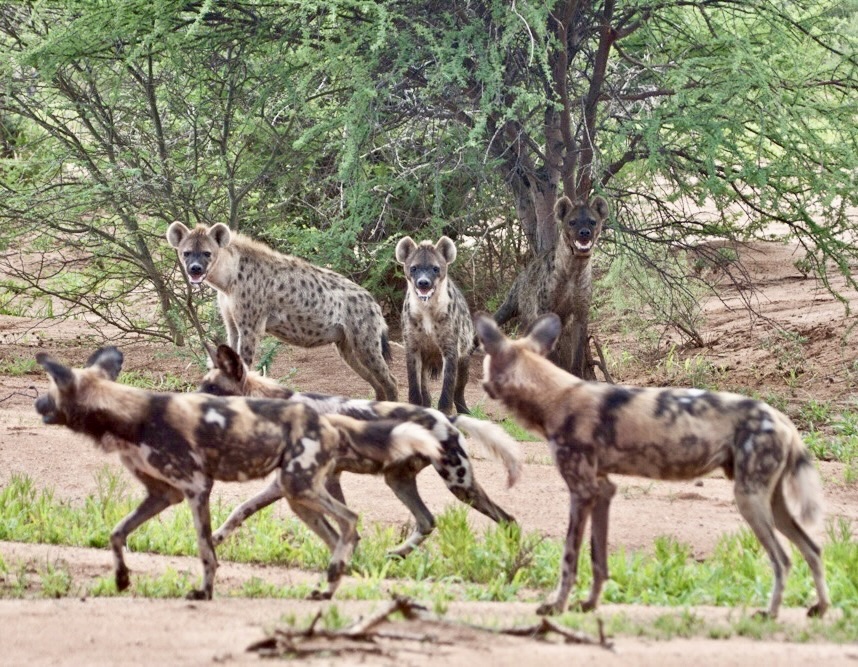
[[263, 291], [561, 281], [436, 324]]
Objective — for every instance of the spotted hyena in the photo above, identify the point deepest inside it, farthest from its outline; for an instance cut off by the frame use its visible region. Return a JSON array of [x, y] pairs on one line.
[[263, 291], [561, 281], [177, 445], [436, 324], [595, 429], [230, 377]]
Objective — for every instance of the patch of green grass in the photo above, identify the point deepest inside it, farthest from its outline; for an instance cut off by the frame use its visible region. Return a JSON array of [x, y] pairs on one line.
[[20, 366], [155, 381], [512, 427]]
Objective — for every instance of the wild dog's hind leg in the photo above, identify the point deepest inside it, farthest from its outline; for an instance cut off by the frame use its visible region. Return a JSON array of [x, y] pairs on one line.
[[599, 541], [159, 497], [198, 499], [248, 508], [811, 552]]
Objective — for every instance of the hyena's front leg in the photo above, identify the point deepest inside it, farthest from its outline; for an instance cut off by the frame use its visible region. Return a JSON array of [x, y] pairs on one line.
[[599, 541], [159, 497], [448, 380], [198, 499], [418, 394]]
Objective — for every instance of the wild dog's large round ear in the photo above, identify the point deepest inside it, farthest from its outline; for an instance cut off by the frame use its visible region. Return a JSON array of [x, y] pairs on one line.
[[109, 359], [404, 248], [176, 233], [220, 234], [600, 207], [447, 249], [544, 333], [63, 377], [489, 334], [229, 363]]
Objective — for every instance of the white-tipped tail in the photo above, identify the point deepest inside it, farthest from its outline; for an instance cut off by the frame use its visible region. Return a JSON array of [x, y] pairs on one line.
[[408, 439], [499, 444], [803, 486]]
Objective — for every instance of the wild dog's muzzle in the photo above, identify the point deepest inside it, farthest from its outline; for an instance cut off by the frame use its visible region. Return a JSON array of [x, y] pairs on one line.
[[47, 407]]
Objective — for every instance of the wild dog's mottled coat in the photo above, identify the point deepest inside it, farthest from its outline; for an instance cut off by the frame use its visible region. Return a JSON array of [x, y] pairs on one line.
[[177, 445], [561, 281], [263, 291], [436, 324], [595, 429], [231, 377]]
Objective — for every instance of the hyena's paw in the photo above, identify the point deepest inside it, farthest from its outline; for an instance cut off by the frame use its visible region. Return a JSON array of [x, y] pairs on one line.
[[587, 605]]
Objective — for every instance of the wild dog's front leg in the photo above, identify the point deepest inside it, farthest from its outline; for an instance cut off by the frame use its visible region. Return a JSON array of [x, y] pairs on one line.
[[198, 499], [159, 496], [248, 508], [599, 541], [579, 510]]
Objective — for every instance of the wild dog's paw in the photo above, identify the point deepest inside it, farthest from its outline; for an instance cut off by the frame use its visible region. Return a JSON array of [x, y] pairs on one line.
[[550, 608], [198, 594], [123, 580]]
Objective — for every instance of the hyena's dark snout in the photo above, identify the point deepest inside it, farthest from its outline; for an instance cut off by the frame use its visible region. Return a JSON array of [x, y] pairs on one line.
[[47, 407]]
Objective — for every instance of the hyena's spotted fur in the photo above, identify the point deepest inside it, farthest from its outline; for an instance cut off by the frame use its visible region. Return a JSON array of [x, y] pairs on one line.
[[436, 324], [177, 445], [263, 291], [561, 281], [230, 377], [595, 429]]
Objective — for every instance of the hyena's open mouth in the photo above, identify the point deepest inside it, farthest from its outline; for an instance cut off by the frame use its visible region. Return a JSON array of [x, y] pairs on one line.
[[584, 248], [425, 294]]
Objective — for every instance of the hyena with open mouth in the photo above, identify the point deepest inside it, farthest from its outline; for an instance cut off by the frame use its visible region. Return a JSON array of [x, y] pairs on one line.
[[177, 445], [231, 377], [595, 429], [436, 324]]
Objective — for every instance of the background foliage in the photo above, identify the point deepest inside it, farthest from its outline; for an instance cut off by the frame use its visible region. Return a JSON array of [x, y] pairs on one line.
[[330, 128]]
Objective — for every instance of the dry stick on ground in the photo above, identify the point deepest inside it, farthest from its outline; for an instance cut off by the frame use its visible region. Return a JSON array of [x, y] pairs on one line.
[[360, 636]]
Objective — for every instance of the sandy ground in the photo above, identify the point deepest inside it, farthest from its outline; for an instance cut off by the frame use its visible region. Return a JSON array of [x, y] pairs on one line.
[[746, 349]]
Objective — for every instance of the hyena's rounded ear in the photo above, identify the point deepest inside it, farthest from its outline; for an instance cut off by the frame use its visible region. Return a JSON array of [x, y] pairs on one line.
[[63, 377], [404, 248], [563, 207], [176, 233], [489, 334], [108, 359], [600, 207], [220, 234], [544, 333], [447, 249], [229, 363]]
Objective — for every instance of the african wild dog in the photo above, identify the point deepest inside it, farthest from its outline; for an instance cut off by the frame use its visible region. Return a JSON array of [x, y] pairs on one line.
[[595, 429], [177, 445], [261, 290], [231, 377], [436, 324], [561, 281]]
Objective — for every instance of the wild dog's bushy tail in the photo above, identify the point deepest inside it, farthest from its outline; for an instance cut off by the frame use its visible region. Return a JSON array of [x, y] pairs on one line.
[[496, 441], [386, 440], [802, 484]]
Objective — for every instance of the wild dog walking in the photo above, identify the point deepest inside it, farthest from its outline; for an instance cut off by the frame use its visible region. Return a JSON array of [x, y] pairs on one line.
[[230, 377], [436, 324], [561, 281], [177, 445], [261, 290], [595, 429]]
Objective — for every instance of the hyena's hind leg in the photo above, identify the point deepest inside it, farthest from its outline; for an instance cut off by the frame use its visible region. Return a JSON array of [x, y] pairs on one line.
[[811, 552], [367, 361], [159, 497]]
